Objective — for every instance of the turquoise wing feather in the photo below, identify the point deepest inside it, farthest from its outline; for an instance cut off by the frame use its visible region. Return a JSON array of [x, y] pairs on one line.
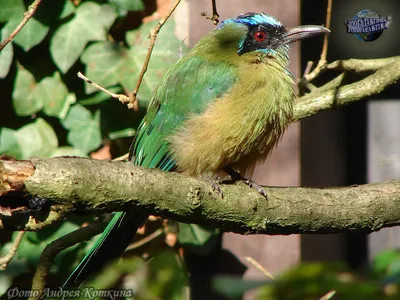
[[188, 87]]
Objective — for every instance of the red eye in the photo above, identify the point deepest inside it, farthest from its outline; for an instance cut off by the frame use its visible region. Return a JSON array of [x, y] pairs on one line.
[[260, 36]]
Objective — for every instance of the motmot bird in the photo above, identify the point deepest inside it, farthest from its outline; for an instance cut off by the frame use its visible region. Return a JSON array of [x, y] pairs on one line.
[[223, 106]]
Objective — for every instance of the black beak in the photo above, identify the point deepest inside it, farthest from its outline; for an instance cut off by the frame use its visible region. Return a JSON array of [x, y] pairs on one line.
[[302, 32]]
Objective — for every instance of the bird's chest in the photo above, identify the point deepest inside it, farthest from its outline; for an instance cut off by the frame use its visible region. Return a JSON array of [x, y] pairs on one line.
[[245, 122], [261, 106]]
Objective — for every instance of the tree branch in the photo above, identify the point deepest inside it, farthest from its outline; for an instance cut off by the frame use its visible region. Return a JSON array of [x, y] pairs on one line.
[[4, 261], [84, 185], [387, 72], [153, 36], [51, 251], [27, 15], [77, 184]]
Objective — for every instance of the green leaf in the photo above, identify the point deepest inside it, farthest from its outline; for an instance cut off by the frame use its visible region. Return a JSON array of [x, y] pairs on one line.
[[90, 23], [168, 280], [394, 267], [54, 95], [23, 101], [127, 132], [199, 239], [37, 139], [31, 35], [166, 52], [68, 151], [6, 55], [34, 243], [5, 278], [17, 265], [123, 6], [102, 61], [84, 129], [234, 287], [99, 97], [76, 117], [9, 8], [71, 99], [9, 144], [107, 16], [68, 9], [384, 259]]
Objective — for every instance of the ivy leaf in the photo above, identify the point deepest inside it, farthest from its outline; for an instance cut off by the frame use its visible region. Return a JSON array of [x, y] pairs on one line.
[[233, 287], [199, 239], [99, 97], [123, 133], [37, 139], [90, 23], [84, 129], [123, 6], [17, 265], [107, 16], [9, 8], [53, 93], [23, 101], [68, 151], [383, 260], [167, 51], [103, 60], [51, 12], [9, 143], [34, 243], [31, 35], [6, 55], [68, 9]]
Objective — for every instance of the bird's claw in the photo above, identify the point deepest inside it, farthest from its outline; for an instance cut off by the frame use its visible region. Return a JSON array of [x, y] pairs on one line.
[[215, 185], [260, 189], [236, 176]]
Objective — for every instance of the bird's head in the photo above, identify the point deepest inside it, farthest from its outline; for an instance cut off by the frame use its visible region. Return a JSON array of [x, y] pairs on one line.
[[261, 33]]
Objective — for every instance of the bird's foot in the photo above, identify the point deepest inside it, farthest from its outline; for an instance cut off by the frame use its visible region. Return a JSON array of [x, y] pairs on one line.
[[259, 188], [215, 184], [236, 176]]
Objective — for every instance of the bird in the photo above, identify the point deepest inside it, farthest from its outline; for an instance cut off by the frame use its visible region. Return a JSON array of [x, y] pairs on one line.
[[221, 107]]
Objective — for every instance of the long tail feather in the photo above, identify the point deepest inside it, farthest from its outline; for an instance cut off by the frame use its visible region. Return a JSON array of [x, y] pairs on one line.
[[111, 244]]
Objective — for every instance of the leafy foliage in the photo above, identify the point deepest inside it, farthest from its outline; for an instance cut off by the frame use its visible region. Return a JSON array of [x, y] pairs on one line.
[[41, 63], [48, 111]]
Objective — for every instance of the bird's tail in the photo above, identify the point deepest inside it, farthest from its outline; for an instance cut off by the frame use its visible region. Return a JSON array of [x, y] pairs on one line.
[[111, 244]]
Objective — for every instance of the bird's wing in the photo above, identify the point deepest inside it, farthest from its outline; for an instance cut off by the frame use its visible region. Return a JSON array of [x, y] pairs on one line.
[[187, 89]]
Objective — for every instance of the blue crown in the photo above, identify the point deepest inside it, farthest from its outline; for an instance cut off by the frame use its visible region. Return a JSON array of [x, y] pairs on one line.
[[251, 19]]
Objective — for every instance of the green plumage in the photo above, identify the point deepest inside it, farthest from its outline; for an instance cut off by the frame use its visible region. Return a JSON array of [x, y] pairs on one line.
[[187, 90], [225, 104]]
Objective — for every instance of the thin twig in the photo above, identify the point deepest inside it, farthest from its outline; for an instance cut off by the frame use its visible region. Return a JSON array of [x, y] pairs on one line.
[[121, 97], [260, 267], [324, 53], [215, 16], [146, 240], [308, 68], [27, 15], [122, 157], [153, 37], [5, 260], [51, 251], [328, 296], [322, 61]]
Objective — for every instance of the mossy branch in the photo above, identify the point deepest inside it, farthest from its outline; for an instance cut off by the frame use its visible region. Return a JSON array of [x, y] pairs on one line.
[[85, 185], [386, 71], [78, 184]]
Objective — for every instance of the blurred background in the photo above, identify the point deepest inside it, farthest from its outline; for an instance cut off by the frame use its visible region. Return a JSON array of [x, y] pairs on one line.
[[47, 111]]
